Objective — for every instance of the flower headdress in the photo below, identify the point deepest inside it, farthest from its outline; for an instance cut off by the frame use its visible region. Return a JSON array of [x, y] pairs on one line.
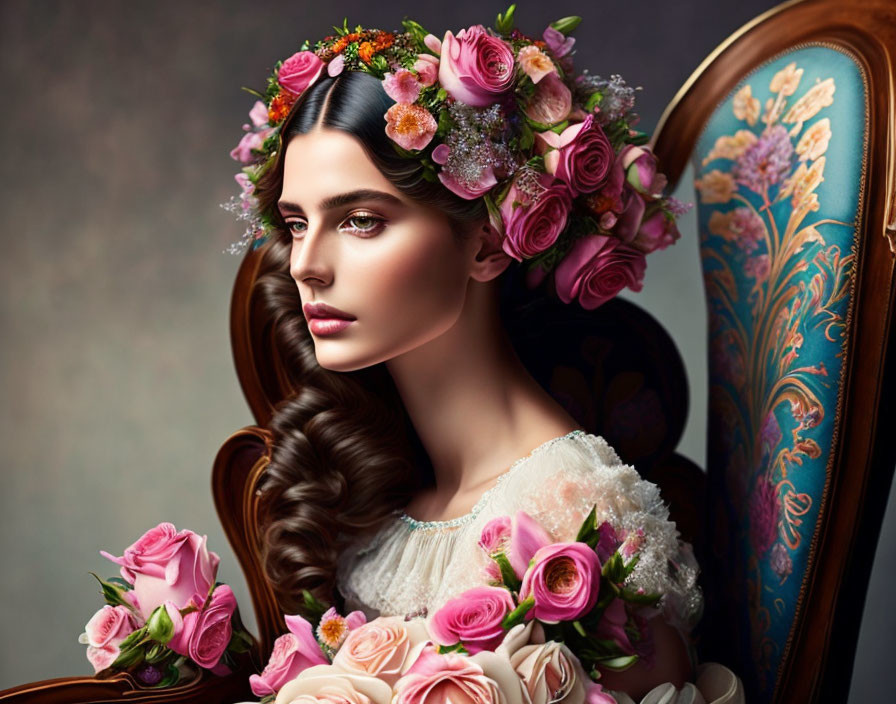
[[497, 115]]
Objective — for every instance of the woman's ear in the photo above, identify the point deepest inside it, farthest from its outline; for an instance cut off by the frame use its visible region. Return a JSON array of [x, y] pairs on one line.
[[490, 259]]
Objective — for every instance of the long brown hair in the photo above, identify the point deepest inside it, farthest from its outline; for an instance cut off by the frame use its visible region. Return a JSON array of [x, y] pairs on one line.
[[345, 453]]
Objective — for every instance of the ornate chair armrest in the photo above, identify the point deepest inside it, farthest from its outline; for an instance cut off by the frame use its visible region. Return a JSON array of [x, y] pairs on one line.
[[206, 688]]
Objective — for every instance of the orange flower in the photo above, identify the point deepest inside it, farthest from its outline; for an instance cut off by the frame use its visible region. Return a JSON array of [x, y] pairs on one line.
[[281, 105], [366, 51]]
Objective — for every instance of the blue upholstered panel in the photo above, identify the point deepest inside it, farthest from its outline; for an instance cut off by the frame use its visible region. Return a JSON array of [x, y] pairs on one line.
[[779, 175]]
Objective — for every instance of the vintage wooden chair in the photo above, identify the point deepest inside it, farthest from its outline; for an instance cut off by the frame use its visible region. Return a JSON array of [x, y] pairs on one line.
[[797, 227], [785, 520]]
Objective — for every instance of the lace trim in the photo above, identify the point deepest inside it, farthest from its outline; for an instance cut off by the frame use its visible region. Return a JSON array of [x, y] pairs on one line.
[[414, 524]]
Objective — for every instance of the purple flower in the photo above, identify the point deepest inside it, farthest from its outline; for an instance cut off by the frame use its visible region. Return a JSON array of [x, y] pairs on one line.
[[747, 229], [770, 433], [766, 161], [763, 516], [780, 561], [559, 44]]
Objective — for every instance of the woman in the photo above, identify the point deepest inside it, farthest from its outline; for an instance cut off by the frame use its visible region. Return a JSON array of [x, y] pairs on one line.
[[415, 422]]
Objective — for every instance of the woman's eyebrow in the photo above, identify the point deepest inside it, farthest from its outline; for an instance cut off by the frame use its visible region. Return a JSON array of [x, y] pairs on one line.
[[342, 199]]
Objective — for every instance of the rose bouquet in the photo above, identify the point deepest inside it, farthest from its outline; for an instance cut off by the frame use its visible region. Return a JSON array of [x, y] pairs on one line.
[[550, 617], [166, 613]]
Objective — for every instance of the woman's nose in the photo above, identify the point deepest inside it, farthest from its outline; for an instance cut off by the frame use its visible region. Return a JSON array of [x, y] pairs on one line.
[[310, 258]]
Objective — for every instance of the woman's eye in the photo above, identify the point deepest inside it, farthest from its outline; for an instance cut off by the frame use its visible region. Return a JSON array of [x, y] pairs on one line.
[[291, 225], [365, 223]]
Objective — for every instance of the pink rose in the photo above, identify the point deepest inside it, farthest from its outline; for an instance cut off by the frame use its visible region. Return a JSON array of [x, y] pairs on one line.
[[293, 652], [527, 537], [564, 580], [495, 535], [164, 564], [299, 71], [656, 232], [452, 678], [384, 648], [581, 155], [596, 268], [327, 684], [473, 618], [104, 632], [551, 101], [532, 227], [427, 68], [640, 166], [204, 635], [475, 67]]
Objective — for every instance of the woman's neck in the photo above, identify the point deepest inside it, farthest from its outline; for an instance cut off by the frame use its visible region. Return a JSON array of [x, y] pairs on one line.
[[473, 404]]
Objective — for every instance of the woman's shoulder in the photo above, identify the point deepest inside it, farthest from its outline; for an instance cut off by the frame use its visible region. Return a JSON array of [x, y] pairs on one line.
[[581, 470]]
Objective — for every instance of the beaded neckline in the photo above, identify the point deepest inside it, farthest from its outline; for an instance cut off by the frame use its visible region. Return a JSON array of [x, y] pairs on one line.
[[414, 524]]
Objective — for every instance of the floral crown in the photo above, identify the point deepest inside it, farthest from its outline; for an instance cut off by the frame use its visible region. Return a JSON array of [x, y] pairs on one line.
[[497, 115]]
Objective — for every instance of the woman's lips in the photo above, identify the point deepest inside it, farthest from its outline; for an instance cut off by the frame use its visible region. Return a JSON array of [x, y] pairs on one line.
[[327, 326]]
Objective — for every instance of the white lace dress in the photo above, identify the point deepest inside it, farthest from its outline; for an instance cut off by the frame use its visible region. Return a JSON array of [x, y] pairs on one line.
[[411, 567]]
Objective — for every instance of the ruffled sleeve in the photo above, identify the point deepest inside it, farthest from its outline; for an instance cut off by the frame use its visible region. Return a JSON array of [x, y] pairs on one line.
[[562, 488]]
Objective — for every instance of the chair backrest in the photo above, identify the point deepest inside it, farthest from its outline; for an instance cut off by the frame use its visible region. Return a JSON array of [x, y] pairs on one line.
[[789, 126], [615, 370]]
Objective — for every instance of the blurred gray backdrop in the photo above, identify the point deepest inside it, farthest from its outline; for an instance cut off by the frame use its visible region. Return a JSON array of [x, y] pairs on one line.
[[118, 380]]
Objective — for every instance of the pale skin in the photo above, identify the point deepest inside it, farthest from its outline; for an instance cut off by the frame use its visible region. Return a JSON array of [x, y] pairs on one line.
[[426, 305]]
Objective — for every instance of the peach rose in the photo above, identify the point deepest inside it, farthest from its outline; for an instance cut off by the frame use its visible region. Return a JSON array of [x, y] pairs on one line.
[[452, 678], [535, 62], [327, 684], [384, 647]]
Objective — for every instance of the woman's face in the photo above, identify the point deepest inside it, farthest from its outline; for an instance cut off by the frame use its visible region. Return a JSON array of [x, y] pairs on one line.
[[393, 266]]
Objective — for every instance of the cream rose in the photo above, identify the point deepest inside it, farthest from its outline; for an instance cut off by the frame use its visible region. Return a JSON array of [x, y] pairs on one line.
[[331, 685], [385, 648]]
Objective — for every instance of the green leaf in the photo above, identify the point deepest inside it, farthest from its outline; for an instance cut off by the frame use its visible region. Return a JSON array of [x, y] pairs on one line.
[[456, 648], [442, 94], [593, 101], [113, 594], [504, 22], [172, 675], [566, 24], [579, 628], [638, 138], [588, 525], [315, 607], [518, 614], [527, 137], [508, 576], [619, 663], [417, 32], [128, 658], [157, 653]]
